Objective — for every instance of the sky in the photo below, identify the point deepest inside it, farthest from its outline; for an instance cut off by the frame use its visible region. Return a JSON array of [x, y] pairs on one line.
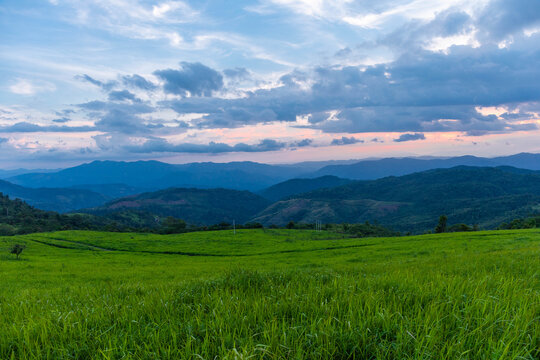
[[275, 81]]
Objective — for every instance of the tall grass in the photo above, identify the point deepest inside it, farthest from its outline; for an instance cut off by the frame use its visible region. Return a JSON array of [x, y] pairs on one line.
[[407, 298]]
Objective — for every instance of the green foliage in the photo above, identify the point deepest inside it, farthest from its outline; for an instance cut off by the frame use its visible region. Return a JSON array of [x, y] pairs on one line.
[[173, 226], [196, 206], [527, 223], [297, 294], [17, 249], [441, 226], [460, 228], [468, 195]]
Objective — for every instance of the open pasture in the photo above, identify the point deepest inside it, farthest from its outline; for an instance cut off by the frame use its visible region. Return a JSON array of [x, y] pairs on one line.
[[270, 294]]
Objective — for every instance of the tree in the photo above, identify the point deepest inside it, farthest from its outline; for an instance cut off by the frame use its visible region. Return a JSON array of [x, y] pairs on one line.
[[172, 225], [290, 225], [441, 226], [17, 249]]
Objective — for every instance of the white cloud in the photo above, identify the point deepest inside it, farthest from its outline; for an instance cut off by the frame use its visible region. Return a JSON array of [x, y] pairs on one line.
[[25, 87]]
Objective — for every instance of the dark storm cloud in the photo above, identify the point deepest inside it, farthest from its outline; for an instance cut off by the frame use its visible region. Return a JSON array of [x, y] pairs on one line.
[[193, 78], [410, 137]]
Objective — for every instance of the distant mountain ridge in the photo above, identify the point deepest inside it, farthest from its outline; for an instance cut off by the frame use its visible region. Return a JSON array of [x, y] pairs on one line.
[[252, 176], [154, 175], [376, 169]]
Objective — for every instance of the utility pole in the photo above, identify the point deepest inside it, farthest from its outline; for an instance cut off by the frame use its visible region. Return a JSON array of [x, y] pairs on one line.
[[234, 227]]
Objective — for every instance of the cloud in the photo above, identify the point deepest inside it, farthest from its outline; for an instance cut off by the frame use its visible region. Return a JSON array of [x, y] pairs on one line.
[[502, 18], [107, 86], [238, 73], [26, 127], [346, 141], [302, 143], [160, 145], [3, 140], [122, 95], [61, 120], [410, 137], [422, 91], [194, 79], [137, 81], [133, 108], [119, 121], [26, 87]]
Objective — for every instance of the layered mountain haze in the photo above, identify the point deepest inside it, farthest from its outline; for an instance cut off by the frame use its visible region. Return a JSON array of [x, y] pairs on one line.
[[55, 199], [125, 178], [154, 175], [376, 169]]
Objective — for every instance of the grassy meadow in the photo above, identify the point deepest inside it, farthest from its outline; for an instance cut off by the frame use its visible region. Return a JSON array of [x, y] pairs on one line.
[[270, 294]]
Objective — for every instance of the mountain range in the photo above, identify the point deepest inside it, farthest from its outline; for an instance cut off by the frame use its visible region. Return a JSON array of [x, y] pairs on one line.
[[154, 175], [252, 176], [405, 193]]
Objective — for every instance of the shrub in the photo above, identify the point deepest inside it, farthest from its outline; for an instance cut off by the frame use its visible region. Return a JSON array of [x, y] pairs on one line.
[[17, 249]]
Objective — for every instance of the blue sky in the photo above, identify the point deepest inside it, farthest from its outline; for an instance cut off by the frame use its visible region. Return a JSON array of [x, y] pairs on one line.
[[269, 80]]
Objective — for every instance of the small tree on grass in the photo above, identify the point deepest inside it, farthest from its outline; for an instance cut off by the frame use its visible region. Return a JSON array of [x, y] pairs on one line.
[[441, 226], [17, 249], [290, 225]]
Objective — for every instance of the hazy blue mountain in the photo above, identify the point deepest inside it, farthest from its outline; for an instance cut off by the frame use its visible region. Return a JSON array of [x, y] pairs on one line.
[[471, 195], [157, 175], [195, 206], [522, 160], [298, 186], [61, 200], [310, 166], [376, 169], [4, 174], [112, 191]]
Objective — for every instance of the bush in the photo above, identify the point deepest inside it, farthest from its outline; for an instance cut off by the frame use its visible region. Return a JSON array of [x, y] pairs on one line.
[[17, 249]]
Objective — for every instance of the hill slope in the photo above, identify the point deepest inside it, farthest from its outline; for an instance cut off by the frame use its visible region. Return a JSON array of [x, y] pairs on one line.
[[483, 196], [62, 200], [298, 186], [195, 206]]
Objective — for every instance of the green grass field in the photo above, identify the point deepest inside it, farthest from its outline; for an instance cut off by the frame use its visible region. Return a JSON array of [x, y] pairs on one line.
[[271, 294]]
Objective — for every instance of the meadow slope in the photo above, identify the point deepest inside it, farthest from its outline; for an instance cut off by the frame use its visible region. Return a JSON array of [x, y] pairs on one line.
[[270, 294]]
